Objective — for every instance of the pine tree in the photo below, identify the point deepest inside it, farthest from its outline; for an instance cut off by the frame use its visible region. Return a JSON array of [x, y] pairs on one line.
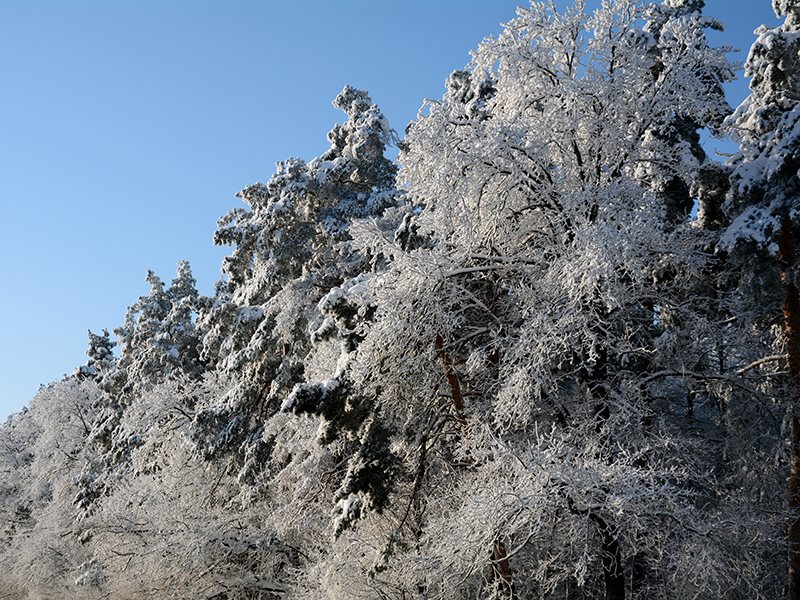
[[763, 207], [101, 357], [291, 245], [158, 341], [510, 369]]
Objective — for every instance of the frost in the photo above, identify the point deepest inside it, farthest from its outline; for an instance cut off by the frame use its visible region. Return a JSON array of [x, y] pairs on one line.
[[505, 366], [250, 313], [303, 393], [754, 224], [91, 574], [348, 510]]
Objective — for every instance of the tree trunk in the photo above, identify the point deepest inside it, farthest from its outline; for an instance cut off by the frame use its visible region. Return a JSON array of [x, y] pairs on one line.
[[639, 570], [610, 551], [501, 570], [611, 559], [452, 381], [791, 315]]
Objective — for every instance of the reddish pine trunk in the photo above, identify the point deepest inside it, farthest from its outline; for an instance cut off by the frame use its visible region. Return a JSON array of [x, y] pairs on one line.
[[791, 315], [452, 381], [501, 569], [794, 507]]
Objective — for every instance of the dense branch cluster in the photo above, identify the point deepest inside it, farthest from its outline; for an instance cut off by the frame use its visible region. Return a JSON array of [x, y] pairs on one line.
[[515, 363]]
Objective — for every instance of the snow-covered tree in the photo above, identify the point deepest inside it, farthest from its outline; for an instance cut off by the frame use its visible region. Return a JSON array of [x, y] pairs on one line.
[[159, 337], [158, 340], [507, 366], [766, 123], [763, 235], [41, 539], [291, 245], [101, 356], [529, 310]]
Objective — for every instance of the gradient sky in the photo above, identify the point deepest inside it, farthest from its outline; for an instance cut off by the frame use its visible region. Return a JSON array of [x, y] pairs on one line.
[[126, 128]]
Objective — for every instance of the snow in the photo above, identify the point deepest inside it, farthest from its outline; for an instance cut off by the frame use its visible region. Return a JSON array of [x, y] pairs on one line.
[[520, 371], [754, 224], [320, 389], [348, 509]]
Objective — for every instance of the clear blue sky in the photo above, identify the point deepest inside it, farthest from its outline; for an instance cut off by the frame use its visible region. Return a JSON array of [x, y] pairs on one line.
[[126, 127]]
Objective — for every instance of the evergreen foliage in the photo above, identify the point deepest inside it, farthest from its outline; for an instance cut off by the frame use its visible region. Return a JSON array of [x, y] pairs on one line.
[[507, 365]]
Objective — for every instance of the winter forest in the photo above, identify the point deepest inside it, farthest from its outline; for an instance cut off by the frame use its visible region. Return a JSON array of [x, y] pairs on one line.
[[552, 351]]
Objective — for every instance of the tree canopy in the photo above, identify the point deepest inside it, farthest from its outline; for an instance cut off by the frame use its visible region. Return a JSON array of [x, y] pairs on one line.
[[551, 351]]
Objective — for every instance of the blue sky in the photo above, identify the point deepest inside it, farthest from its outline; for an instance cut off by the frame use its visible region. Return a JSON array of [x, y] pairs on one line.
[[126, 128]]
